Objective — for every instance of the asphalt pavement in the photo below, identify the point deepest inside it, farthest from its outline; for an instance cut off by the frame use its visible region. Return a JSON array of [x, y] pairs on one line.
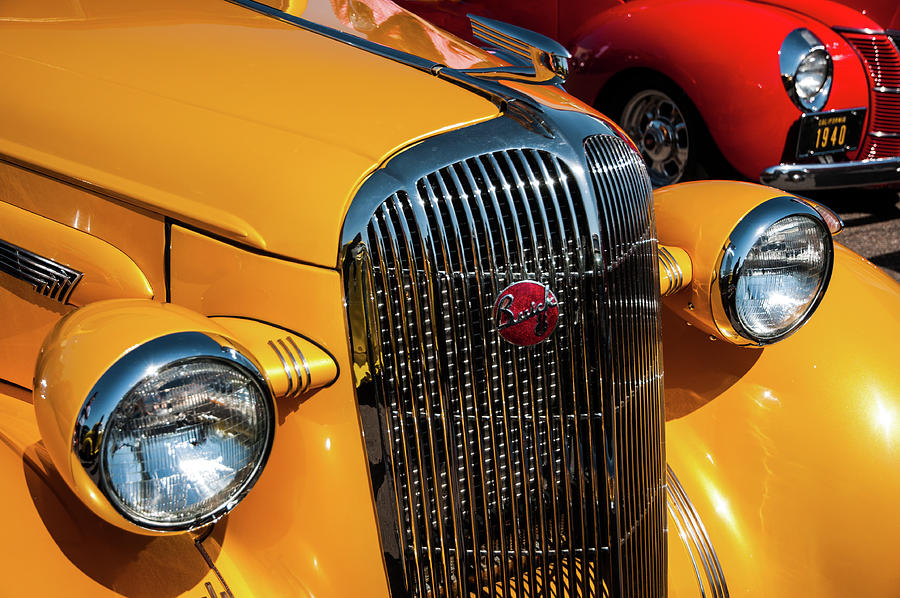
[[871, 224]]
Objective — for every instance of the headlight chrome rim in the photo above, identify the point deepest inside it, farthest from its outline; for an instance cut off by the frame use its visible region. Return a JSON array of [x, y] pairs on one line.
[[797, 47], [91, 425], [729, 267]]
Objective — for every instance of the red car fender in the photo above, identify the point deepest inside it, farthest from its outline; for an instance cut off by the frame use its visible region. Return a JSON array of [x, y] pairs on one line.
[[850, 14], [724, 56]]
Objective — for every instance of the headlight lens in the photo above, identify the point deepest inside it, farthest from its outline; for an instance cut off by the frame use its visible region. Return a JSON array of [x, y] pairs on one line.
[[781, 276], [185, 442], [775, 270], [811, 74], [806, 69]]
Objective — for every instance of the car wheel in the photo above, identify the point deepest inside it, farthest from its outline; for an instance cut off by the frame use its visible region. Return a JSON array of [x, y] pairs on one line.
[[666, 127]]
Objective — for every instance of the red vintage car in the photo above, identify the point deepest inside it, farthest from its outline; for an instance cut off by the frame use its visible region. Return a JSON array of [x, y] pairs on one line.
[[799, 94]]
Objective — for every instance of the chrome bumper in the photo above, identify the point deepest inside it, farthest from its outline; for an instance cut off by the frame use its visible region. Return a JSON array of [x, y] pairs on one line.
[[866, 173]]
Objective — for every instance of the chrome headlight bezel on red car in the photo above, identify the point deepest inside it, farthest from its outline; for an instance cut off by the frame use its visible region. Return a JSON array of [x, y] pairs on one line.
[[806, 70]]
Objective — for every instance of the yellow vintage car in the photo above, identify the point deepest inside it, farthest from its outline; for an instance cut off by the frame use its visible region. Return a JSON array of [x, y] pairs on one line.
[[316, 300]]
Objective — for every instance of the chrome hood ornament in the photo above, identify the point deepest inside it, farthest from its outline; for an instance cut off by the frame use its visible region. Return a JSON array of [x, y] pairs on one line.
[[535, 58]]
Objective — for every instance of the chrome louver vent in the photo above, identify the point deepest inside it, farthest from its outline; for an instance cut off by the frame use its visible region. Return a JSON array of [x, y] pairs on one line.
[[506, 470], [47, 277]]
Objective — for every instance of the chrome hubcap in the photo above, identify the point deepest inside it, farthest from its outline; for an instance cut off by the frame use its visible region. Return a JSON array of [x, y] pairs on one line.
[[657, 125]]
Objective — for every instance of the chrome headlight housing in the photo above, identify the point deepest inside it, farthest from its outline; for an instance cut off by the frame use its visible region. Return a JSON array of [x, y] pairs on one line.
[[806, 70], [773, 272], [176, 432]]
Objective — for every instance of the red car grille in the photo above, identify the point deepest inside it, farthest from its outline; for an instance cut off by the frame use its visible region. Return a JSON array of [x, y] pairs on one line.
[[883, 147], [882, 61], [880, 55]]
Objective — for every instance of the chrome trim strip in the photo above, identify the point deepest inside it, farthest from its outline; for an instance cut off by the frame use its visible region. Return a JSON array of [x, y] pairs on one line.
[[837, 175], [347, 38], [883, 135], [673, 269], [475, 80], [46, 276], [287, 370], [128, 372], [305, 363], [296, 366], [885, 89], [695, 537]]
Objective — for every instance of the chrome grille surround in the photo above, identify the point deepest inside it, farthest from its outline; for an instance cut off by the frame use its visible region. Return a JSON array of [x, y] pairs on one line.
[[528, 470]]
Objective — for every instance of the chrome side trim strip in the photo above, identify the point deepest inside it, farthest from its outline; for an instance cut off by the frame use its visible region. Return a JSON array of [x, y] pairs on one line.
[[303, 386], [695, 538], [476, 80], [296, 365], [287, 369], [673, 269], [347, 38], [46, 276]]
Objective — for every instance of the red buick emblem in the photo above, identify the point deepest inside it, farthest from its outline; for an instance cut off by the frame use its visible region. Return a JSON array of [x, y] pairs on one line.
[[526, 312]]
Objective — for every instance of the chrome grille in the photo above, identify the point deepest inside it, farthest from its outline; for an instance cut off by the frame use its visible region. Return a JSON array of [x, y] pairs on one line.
[[499, 469], [636, 374], [882, 60]]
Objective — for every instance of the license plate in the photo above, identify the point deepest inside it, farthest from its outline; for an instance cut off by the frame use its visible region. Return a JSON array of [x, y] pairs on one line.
[[830, 132]]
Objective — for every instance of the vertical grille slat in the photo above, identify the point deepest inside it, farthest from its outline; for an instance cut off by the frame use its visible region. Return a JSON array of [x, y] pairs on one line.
[[516, 470]]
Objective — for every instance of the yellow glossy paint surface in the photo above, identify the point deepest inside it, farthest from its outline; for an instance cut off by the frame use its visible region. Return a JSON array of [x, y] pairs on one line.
[[137, 233], [790, 453], [308, 526], [115, 247], [29, 315], [171, 99]]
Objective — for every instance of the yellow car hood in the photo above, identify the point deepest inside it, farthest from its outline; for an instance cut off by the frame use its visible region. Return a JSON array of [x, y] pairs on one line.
[[211, 114]]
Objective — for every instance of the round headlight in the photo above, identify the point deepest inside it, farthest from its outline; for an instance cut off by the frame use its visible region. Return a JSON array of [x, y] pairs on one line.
[[176, 432], [812, 74], [806, 69], [774, 271]]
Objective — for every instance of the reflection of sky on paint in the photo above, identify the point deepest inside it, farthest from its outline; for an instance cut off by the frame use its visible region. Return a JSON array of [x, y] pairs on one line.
[[722, 507], [884, 419], [767, 399]]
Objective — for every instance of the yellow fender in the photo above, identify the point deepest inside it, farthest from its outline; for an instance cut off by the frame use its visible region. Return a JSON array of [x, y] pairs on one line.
[[790, 454]]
